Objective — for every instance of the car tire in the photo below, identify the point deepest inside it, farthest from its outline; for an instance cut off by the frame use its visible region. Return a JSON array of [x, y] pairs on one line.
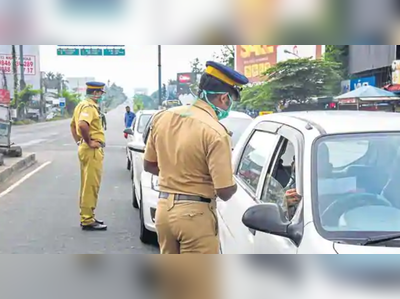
[[146, 236], [128, 164], [134, 198]]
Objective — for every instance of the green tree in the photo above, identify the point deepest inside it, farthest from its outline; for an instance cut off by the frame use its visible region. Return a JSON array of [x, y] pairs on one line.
[[339, 54], [25, 98], [71, 100], [295, 80], [14, 102], [148, 102], [227, 56], [137, 104]]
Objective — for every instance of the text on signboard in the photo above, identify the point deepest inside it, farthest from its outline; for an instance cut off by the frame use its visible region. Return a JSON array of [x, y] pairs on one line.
[[258, 50], [6, 64]]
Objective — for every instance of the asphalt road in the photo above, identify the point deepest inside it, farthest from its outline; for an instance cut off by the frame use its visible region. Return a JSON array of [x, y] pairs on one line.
[[41, 215]]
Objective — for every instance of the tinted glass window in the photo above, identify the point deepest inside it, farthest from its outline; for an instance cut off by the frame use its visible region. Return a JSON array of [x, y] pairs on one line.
[[357, 179], [254, 157], [143, 120]]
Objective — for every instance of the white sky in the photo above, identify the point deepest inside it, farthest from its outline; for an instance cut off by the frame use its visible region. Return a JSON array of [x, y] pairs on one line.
[[138, 69]]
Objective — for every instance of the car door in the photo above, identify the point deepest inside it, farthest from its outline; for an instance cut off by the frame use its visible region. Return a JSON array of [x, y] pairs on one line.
[[255, 155], [292, 141]]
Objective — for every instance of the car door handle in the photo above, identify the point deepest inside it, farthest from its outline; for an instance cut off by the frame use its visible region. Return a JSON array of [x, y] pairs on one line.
[[252, 231]]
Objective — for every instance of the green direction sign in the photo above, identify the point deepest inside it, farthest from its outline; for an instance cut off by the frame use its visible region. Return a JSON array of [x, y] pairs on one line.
[[114, 52], [66, 51], [91, 52]]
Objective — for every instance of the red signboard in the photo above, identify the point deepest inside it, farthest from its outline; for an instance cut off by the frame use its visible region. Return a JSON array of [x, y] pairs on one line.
[[184, 78], [5, 97]]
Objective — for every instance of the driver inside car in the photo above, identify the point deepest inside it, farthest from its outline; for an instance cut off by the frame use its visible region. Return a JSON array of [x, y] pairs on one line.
[[292, 198]]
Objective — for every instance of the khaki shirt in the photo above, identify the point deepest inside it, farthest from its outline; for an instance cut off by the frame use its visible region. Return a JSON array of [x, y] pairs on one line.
[[88, 111], [192, 149]]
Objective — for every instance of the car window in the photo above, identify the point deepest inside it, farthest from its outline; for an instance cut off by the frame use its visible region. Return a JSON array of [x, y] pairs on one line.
[[363, 196], [346, 152], [255, 154], [237, 126], [143, 120]]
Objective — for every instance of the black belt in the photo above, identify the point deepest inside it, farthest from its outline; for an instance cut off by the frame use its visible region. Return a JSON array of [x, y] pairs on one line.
[[165, 195]]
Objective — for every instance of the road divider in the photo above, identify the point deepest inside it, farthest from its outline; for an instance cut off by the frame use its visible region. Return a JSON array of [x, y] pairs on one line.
[[23, 179], [13, 166]]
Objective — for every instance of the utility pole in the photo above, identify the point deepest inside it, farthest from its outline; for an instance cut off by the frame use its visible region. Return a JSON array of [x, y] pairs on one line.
[[21, 66], [159, 76]]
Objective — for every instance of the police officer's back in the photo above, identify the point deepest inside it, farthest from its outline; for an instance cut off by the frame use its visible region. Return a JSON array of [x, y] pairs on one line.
[[191, 152]]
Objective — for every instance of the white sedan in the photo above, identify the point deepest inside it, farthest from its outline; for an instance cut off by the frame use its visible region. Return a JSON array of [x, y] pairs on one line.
[[135, 134], [147, 198], [344, 164]]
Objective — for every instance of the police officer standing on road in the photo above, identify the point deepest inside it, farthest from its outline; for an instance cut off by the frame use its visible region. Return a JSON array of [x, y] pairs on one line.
[[88, 133], [190, 151]]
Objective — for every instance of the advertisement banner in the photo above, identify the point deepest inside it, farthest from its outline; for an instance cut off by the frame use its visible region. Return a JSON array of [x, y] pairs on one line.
[[359, 82], [5, 97], [253, 60], [29, 64], [396, 72]]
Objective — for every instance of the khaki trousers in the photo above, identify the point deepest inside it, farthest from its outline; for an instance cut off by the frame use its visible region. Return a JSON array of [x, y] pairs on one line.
[[91, 164], [187, 227]]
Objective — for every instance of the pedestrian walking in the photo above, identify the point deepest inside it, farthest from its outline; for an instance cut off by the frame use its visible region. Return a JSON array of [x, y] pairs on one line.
[[129, 117], [88, 133], [190, 151]]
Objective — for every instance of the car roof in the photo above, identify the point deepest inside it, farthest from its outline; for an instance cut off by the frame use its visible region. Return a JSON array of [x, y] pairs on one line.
[[237, 114], [147, 111], [331, 122]]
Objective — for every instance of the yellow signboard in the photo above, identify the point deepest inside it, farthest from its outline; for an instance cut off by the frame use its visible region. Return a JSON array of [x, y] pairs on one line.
[[266, 112]]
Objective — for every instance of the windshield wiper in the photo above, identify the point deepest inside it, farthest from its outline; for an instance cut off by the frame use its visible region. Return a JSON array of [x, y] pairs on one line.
[[381, 239]]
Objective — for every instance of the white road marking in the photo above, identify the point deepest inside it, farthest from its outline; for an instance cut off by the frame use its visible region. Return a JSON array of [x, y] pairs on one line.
[[15, 185], [32, 142]]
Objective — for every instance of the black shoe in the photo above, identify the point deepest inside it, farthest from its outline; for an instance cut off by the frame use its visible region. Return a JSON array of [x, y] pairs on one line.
[[99, 221], [94, 226]]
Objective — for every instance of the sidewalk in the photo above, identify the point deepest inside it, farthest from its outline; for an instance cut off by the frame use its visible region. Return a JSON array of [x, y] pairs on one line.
[[13, 166]]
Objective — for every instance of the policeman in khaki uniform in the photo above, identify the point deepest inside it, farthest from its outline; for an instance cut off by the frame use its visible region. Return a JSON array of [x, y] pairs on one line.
[[190, 151], [88, 133]]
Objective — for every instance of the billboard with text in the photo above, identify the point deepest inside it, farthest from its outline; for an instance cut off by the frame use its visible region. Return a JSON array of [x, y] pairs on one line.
[[254, 60]]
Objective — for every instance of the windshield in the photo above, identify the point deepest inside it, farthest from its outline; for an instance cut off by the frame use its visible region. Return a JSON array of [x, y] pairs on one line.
[[236, 126], [143, 120], [356, 184]]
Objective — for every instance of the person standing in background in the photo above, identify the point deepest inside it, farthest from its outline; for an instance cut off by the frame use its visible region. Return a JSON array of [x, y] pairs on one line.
[[88, 133], [129, 117]]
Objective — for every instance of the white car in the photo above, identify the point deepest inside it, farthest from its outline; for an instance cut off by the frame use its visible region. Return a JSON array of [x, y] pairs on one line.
[[236, 122], [346, 168], [135, 134]]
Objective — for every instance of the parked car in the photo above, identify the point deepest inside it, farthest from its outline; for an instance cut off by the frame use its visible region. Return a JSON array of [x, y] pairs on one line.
[[344, 164], [134, 160], [147, 198]]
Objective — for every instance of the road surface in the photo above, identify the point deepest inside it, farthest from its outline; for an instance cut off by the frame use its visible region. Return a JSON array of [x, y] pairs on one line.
[[39, 213]]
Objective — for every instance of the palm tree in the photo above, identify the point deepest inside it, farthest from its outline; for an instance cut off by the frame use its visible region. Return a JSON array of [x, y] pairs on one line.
[[15, 75], [61, 82]]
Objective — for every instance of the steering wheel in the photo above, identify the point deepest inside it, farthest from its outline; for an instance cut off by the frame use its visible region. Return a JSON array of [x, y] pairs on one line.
[[349, 202]]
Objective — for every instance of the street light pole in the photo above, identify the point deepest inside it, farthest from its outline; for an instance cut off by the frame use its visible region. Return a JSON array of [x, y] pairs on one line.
[[159, 76], [21, 66]]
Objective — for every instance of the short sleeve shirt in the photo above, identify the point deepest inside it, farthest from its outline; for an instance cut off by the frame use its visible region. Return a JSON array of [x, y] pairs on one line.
[[88, 111], [192, 149]]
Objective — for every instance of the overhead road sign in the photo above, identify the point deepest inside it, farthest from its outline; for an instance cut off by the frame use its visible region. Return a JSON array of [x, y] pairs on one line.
[[67, 52], [91, 52], [114, 52]]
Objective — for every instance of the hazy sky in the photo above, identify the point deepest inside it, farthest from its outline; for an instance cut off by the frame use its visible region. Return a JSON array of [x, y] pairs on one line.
[[137, 69]]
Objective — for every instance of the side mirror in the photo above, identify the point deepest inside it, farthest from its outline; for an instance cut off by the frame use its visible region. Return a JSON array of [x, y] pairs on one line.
[[128, 131], [137, 147], [271, 219]]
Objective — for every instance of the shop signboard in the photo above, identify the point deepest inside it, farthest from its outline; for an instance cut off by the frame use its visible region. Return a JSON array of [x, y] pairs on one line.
[[360, 82]]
